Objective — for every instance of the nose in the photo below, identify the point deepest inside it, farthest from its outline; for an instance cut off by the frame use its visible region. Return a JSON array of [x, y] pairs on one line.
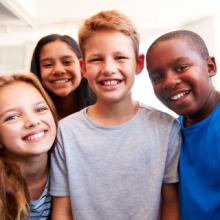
[[59, 69], [109, 67], [31, 121], [172, 80]]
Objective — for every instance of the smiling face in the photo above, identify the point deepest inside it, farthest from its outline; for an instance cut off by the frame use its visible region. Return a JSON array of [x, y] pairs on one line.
[[60, 68], [110, 65], [181, 77], [27, 126]]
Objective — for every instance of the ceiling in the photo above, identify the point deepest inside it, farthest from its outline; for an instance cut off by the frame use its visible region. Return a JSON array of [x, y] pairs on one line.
[[21, 20]]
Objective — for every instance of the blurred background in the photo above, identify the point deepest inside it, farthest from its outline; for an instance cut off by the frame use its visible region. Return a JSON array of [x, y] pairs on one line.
[[24, 22]]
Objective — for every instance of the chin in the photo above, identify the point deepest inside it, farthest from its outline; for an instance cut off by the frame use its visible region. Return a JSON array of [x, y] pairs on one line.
[[63, 93]]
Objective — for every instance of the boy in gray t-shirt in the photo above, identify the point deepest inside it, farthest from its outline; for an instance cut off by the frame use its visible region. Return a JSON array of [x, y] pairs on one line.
[[114, 158]]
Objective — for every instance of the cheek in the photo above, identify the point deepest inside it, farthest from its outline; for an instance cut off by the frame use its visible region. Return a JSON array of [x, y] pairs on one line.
[[75, 71], [76, 82], [78, 75], [44, 73], [52, 124], [157, 90], [9, 136]]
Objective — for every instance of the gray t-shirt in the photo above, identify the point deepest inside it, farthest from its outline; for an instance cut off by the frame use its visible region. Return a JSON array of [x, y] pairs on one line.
[[115, 173]]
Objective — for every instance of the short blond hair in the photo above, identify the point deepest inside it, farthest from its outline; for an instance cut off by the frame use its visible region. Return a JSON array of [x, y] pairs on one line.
[[108, 20]]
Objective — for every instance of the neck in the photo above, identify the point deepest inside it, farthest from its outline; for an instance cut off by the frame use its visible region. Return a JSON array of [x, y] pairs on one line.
[[66, 105], [112, 114], [212, 101], [35, 172]]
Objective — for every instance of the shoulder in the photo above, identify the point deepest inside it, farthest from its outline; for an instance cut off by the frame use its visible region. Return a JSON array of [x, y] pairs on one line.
[[71, 118], [156, 115], [73, 124]]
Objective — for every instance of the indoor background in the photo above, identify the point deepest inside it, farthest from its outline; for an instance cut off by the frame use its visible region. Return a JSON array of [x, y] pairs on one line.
[[24, 22]]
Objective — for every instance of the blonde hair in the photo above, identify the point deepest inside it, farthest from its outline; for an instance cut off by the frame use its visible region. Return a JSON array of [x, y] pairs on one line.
[[14, 197], [108, 20]]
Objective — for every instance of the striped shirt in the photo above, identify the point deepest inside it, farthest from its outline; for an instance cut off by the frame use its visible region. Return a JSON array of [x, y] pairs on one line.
[[40, 208]]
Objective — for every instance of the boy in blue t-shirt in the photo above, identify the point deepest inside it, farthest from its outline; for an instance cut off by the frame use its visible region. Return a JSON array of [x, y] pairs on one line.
[[180, 70]]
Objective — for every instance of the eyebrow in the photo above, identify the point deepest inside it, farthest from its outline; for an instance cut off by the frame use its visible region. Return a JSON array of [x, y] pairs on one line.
[[181, 58], [95, 55], [63, 57], [17, 108], [9, 110], [45, 59]]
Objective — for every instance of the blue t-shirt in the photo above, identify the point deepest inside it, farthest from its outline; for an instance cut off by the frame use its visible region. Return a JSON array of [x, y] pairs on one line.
[[199, 169]]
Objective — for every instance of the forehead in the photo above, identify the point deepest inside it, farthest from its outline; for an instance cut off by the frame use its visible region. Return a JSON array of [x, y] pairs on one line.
[[55, 48], [167, 52], [177, 45], [17, 92], [173, 48], [108, 41]]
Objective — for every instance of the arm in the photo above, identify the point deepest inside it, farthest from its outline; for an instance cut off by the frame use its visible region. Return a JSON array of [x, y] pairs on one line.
[[169, 203], [59, 188], [61, 208]]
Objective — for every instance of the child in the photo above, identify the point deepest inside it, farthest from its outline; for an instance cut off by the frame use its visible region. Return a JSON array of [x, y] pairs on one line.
[[56, 63], [180, 69], [115, 157], [27, 133]]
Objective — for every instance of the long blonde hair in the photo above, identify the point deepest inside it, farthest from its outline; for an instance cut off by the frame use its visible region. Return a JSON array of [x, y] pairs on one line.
[[14, 197]]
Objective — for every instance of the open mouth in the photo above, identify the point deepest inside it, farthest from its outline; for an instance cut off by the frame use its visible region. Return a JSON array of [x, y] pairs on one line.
[[61, 81], [35, 137], [179, 95], [110, 82]]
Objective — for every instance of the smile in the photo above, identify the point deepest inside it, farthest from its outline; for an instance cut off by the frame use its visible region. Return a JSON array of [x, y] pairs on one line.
[[61, 81], [179, 95], [34, 137], [110, 82]]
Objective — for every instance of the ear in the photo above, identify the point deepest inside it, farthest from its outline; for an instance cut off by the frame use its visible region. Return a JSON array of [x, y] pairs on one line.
[[140, 64], [83, 68], [212, 68]]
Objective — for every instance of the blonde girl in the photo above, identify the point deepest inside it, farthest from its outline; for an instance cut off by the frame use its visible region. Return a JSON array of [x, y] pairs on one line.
[[27, 132]]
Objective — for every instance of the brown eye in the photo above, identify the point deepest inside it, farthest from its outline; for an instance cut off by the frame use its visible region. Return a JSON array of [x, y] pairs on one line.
[[181, 68], [155, 78], [68, 62], [46, 64]]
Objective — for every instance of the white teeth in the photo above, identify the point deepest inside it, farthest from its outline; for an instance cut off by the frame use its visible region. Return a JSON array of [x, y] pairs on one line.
[[61, 81], [34, 136], [179, 95], [110, 82]]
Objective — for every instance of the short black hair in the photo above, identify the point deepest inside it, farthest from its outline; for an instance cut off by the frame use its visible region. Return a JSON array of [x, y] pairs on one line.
[[193, 39]]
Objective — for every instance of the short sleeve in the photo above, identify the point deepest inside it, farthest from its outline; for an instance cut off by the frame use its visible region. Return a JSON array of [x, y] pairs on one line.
[[58, 172], [172, 159]]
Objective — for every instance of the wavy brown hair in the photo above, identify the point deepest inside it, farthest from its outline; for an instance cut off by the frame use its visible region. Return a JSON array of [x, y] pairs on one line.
[[14, 196]]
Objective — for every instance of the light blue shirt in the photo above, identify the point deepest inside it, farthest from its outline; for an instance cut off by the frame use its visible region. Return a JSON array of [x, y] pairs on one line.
[[40, 208]]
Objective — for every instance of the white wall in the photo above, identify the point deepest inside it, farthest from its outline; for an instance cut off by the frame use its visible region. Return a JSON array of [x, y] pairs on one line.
[[208, 28], [17, 57]]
